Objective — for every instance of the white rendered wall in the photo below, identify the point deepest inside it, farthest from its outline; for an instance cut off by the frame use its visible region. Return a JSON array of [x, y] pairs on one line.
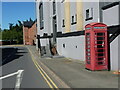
[[111, 16], [114, 55], [70, 49]]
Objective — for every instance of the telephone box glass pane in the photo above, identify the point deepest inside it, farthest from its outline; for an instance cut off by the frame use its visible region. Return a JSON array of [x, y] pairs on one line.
[[88, 42], [100, 38], [100, 63], [99, 59], [88, 34], [88, 58], [100, 50], [100, 47], [100, 54], [100, 34], [88, 62], [88, 54], [88, 48], [99, 42]]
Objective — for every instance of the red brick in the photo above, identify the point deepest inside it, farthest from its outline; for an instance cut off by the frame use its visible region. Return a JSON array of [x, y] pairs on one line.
[[29, 34]]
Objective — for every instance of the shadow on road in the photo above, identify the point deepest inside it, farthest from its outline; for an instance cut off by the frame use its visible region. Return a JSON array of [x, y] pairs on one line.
[[11, 54]]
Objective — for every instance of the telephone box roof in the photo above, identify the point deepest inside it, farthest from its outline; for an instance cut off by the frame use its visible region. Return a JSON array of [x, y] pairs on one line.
[[95, 23]]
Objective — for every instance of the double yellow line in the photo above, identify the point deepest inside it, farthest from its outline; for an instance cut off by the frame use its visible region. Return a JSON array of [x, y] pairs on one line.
[[48, 80]]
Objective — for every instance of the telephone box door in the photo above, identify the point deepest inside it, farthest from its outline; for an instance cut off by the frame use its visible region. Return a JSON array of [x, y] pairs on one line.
[[96, 40]]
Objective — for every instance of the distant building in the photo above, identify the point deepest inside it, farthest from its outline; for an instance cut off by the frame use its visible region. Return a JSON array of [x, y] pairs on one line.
[[29, 32]]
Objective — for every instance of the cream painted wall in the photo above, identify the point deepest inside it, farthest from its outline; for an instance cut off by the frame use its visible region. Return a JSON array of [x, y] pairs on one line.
[[79, 10], [67, 16]]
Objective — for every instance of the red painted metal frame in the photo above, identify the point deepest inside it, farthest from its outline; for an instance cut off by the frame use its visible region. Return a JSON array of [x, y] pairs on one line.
[[91, 28]]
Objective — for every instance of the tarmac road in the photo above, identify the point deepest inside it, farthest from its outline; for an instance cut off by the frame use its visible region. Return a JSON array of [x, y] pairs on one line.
[[16, 59]]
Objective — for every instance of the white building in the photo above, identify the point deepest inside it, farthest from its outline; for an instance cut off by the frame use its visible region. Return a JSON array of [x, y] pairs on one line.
[[61, 23]]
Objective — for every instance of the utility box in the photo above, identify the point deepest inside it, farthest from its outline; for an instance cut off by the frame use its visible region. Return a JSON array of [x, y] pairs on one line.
[[96, 37]]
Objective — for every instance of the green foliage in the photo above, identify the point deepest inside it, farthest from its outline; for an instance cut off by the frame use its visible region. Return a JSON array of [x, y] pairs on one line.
[[20, 24], [10, 25], [14, 33], [0, 34]]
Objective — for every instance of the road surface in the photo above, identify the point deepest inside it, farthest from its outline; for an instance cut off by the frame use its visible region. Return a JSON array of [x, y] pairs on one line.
[[19, 70]]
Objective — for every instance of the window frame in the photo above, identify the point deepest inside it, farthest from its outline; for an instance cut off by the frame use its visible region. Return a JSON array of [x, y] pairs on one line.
[[63, 23], [89, 14], [41, 16], [54, 7], [74, 19]]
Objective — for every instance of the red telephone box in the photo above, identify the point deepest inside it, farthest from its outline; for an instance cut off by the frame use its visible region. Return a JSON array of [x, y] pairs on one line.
[[96, 46]]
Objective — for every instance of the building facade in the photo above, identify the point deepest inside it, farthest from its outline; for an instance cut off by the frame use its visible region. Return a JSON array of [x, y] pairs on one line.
[[29, 32], [60, 26]]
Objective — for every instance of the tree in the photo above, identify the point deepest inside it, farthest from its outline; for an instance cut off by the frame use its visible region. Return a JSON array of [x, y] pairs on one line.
[[0, 34], [10, 26], [30, 19], [20, 23], [14, 33]]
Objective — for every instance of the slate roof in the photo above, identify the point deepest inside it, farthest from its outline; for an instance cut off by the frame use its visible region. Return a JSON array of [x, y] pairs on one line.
[[28, 23]]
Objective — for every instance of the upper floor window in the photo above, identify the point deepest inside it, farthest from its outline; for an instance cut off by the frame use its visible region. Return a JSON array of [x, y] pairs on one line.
[[89, 14], [63, 23], [41, 15], [74, 19], [54, 7]]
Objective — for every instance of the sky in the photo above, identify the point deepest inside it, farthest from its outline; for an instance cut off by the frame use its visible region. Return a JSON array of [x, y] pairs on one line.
[[0, 14], [17, 0], [14, 11]]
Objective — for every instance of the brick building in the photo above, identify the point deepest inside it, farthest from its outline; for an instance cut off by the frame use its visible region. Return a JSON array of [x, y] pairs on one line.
[[29, 32]]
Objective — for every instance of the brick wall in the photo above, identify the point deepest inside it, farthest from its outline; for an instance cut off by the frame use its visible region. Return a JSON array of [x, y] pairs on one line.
[[32, 34], [29, 34], [25, 35]]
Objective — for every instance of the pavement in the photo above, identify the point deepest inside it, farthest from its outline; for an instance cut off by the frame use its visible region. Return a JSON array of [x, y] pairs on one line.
[[72, 73]]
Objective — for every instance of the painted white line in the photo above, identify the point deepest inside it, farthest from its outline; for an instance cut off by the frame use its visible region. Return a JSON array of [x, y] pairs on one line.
[[19, 74], [19, 79], [3, 77]]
